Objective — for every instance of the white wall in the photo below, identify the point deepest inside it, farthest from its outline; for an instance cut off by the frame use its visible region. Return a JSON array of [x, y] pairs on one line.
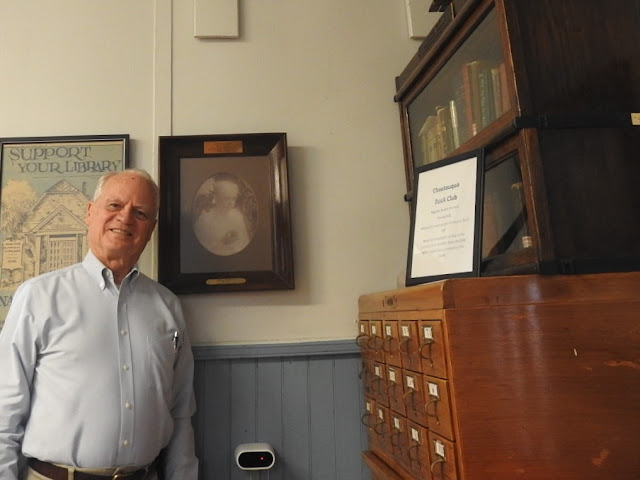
[[74, 67], [321, 71]]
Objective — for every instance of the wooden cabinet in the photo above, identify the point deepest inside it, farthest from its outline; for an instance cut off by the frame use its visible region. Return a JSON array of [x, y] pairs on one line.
[[551, 90], [525, 377]]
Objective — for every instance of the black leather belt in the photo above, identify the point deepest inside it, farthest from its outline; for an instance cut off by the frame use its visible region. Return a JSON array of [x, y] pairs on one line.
[[54, 472]]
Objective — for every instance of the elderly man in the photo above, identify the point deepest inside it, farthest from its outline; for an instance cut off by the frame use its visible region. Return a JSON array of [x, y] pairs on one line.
[[96, 368]]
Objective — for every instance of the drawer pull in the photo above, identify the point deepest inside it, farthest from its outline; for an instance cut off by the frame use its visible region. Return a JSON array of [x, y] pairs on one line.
[[405, 342], [391, 387], [387, 344], [376, 382], [365, 419], [373, 339], [414, 458], [361, 342], [428, 355], [434, 402], [364, 374], [406, 396], [436, 462], [380, 431], [395, 445]]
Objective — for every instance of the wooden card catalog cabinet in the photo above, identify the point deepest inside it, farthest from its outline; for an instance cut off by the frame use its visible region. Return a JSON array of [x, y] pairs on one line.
[[522, 377]]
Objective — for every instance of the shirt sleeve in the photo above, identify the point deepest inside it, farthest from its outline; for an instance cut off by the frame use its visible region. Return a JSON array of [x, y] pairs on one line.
[[18, 353], [180, 462]]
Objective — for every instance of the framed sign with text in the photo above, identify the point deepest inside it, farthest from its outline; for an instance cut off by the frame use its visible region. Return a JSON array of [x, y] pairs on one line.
[[45, 187], [446, 219]]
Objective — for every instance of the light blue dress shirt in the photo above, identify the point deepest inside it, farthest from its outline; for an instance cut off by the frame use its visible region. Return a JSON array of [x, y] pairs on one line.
[[91, 376]]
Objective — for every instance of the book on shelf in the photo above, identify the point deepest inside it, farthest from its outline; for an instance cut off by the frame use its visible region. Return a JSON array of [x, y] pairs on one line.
[[501, 98], [478, 96], [445, 129], [496, 83], [428, 141], [455, 124], [485, 93], [469, 100], [504, 90], [462, 127]]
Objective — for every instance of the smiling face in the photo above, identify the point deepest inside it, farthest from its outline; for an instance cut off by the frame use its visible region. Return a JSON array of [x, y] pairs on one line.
[[121, 221]]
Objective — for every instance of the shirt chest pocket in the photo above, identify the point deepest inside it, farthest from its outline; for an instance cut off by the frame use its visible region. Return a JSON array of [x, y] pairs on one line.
[[162, 348]]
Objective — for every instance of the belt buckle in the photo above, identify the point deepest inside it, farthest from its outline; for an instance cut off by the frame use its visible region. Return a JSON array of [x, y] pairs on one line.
[[121, 476]]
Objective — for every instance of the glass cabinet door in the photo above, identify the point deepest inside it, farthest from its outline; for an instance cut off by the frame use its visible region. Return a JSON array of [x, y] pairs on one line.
[[467, 95], [505, 226]]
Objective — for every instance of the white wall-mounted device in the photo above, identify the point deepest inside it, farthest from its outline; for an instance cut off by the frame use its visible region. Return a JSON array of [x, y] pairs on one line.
[[255, 456]]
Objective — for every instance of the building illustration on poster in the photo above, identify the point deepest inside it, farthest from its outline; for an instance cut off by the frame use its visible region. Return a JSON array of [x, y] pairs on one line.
[[50, 235], [46, 189]]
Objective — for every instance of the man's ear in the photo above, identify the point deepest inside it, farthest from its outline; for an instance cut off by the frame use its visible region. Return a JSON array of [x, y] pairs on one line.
[[86, 217]]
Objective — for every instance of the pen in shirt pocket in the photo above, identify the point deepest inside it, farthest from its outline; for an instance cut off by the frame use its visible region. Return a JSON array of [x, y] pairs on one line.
[[175, 341]]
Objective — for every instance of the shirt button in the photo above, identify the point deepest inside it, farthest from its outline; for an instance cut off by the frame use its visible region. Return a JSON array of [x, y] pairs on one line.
[[125, 443], [125, 367], [101, 284], [127, 405], [123, 332]]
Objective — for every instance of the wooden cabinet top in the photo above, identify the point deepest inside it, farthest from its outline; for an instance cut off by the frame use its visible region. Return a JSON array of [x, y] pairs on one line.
[[506, 290]]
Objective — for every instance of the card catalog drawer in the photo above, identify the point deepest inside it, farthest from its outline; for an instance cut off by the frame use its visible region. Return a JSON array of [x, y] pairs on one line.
[[395, 389], [369, 420], [438, 406], [413, 385], [419, 460], [409, 346], [375, 340], [364, 335], [443, 458], [399, 439], [366, 376], [432, 348], [382, 430], [379, 383], [391, 341]]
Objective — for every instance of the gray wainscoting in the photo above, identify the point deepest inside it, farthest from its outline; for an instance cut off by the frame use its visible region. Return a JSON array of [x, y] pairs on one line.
[[304, 399]]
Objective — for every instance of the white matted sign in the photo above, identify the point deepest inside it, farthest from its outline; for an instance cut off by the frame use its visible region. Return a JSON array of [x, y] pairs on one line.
[[446, 219]]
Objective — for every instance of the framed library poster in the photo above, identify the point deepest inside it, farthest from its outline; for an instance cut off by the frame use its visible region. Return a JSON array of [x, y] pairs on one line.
[[446, 219], [224, 221], [45, 187]]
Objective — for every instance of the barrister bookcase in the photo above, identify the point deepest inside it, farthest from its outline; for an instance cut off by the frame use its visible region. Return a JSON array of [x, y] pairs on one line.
[[520, 377], [551, 91]]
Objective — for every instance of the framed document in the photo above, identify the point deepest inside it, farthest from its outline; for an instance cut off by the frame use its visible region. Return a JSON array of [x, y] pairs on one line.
[[446, 219], [224, 221], [46, 184]]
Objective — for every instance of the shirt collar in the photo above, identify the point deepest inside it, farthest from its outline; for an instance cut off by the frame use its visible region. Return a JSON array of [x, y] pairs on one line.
[[98, 271]]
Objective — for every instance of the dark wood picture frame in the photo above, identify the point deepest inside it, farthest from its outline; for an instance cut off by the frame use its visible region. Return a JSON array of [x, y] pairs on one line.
[[205, 246], [446, 219]]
